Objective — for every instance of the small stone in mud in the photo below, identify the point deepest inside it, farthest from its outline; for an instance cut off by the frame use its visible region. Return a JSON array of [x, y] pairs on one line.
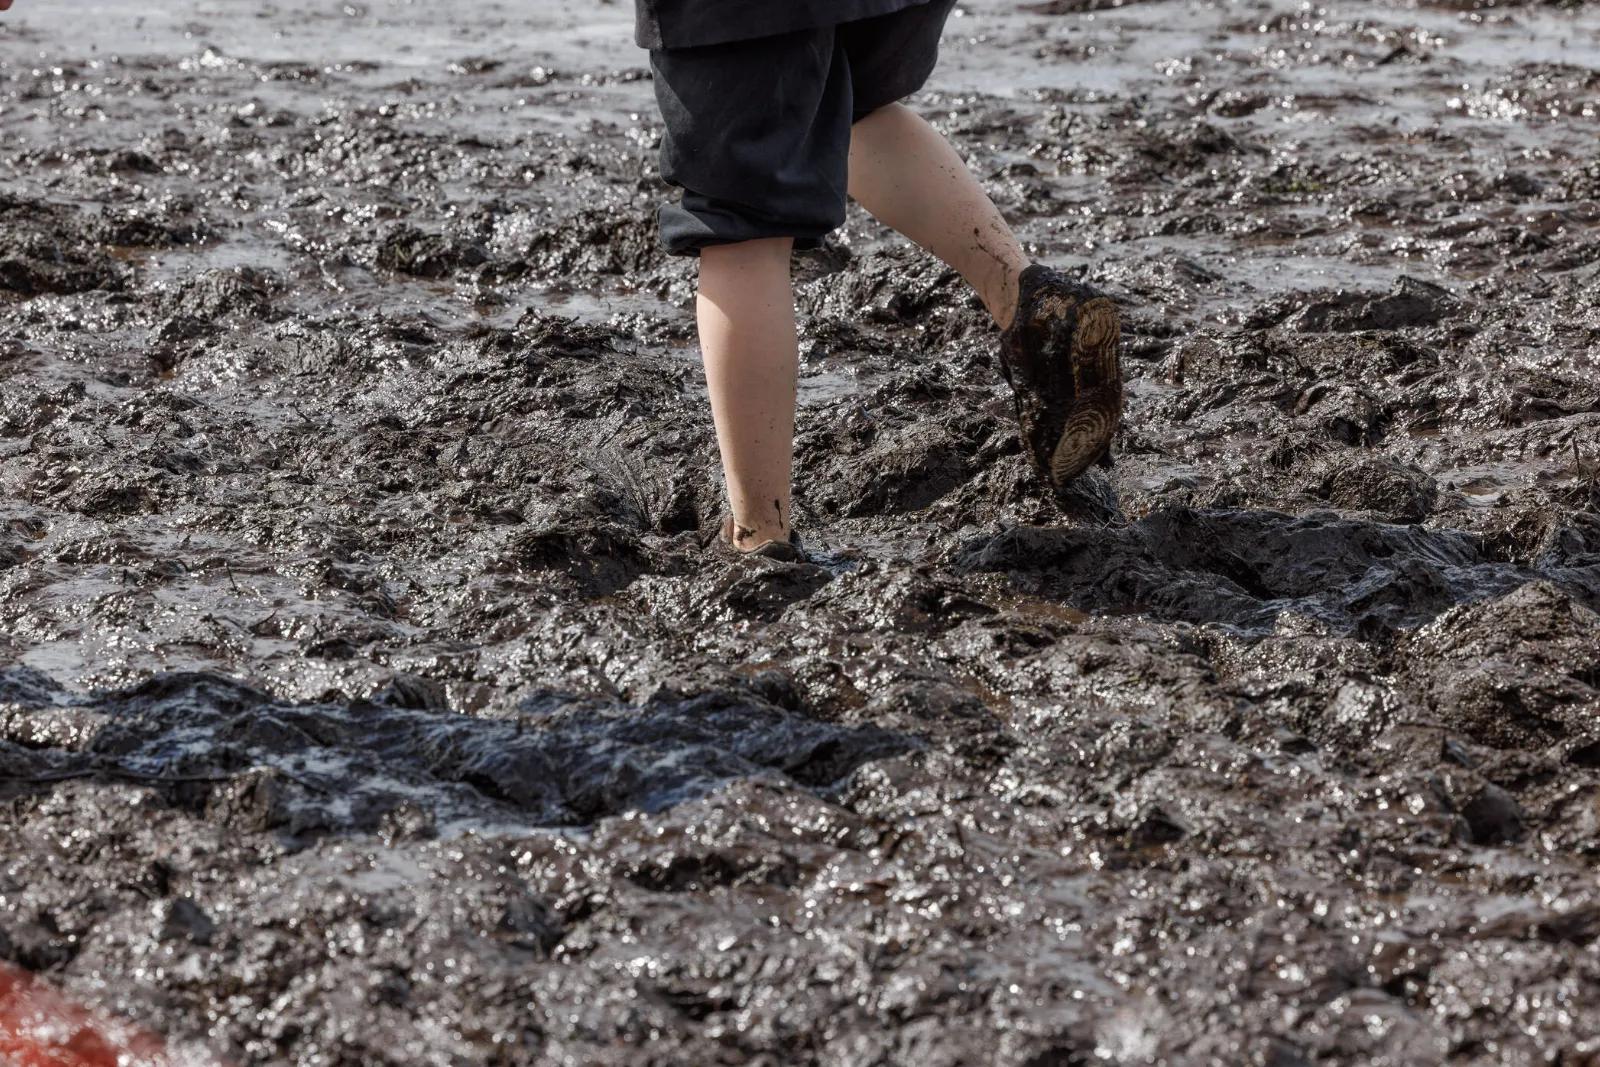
[[1154, 827], [1494, 817], [183, 919]]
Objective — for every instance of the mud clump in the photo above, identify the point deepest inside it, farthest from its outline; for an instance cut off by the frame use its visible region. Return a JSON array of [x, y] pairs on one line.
[[50, 249], [1396, 491], [410, 251], [370, 694], [1513, 672], [1411, 304]]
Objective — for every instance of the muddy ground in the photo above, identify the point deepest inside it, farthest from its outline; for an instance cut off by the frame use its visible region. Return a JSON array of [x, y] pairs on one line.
[[367, 697]]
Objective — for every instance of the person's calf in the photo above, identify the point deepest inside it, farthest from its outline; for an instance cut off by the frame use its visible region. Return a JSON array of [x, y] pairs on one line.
[[911, 179], [745, 312]]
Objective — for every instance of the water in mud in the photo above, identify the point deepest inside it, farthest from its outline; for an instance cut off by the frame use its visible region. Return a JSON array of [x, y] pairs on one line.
[[367, 696]]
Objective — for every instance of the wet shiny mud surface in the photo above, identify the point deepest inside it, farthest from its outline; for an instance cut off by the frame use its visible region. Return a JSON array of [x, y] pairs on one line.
[[366, 695]]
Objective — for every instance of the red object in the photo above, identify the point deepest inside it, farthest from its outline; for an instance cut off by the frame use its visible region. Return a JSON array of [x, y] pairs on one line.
[[41, 1028]]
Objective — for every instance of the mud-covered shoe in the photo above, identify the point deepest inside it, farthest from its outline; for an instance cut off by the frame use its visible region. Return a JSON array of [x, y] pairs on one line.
[[788, 551], [1060, 356]]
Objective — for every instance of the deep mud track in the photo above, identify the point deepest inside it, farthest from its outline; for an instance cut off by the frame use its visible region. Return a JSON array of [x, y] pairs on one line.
[[366, 696]]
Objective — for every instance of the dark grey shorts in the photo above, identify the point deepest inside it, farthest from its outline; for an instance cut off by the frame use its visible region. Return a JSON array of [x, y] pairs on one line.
[[758, 132]]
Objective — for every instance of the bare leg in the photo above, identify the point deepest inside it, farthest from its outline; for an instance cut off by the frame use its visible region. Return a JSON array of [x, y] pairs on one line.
[[910, 178], [747, 340]]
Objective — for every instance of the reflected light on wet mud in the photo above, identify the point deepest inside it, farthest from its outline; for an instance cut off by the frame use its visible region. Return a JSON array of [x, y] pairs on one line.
[[368, 695]]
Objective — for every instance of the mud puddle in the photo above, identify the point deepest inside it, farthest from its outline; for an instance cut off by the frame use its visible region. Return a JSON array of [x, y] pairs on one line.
[[366, 695]]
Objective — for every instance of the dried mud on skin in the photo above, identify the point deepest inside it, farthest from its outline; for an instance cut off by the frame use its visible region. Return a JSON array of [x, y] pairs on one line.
[[366, 695]]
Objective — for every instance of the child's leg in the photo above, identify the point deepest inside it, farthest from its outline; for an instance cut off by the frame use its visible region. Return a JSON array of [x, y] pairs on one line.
[[911, 179], [747, 340], [1062, 360]]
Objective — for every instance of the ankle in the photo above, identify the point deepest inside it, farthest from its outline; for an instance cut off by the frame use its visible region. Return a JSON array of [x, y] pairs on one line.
[[748, 535], [1004, 296]]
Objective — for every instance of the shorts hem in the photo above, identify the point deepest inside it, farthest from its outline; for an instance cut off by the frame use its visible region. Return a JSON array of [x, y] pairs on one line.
[[691, 249], [686, 228]]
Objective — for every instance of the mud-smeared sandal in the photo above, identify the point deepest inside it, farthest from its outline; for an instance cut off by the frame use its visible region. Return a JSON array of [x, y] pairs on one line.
[[789, 551], [1060, 356]]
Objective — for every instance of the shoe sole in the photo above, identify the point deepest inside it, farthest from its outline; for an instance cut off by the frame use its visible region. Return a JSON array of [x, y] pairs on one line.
[[1097, 397]]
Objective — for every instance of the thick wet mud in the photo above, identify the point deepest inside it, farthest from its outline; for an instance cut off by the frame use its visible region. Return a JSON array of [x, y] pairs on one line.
[[367, 696]]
